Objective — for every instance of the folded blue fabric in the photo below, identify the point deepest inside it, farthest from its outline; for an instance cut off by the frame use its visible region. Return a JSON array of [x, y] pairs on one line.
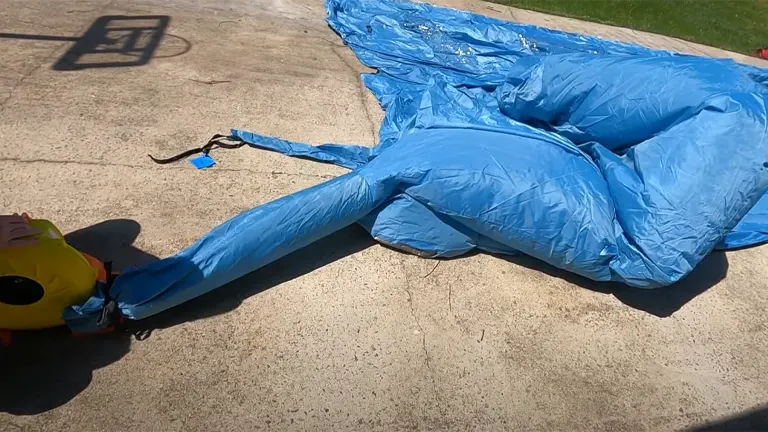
[[609, 160]]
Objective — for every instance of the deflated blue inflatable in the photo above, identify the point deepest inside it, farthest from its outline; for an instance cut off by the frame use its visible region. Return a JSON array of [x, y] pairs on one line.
[[609, 160]]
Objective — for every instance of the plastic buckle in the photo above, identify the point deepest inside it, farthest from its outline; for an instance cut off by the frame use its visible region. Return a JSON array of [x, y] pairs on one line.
[[105, 319]]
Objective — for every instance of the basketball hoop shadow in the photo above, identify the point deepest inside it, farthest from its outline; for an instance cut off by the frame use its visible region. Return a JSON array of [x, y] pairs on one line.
[[119, 41]]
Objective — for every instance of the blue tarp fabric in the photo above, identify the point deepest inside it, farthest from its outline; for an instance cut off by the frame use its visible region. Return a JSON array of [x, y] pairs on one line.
[[609, 160]]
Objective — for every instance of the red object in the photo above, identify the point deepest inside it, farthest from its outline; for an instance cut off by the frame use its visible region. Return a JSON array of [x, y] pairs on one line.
[[6, 337], [762, 53]]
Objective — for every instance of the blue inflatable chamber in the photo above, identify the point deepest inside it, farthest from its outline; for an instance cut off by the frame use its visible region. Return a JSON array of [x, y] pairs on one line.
[[609, 160]]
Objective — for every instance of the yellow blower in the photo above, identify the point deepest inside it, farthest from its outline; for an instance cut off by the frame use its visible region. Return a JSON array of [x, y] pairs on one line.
[[39, 281]]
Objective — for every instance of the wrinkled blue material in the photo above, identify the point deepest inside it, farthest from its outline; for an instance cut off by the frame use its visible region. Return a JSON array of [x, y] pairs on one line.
[[609, 160]]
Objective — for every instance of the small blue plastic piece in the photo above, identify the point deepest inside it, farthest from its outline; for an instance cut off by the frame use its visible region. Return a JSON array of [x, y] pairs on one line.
[[202, 162]]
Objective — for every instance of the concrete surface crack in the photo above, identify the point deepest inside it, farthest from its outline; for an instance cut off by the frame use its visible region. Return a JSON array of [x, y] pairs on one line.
[[415, 317], [124, 165], [423, 335], [210, 82], [361, 93], [306, 31], [421, 329], [512, 14], [37, 24], [21, 80]]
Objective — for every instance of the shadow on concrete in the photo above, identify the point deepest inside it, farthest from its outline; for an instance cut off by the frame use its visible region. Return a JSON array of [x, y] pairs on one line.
[[755, 419], [45, 369], [111, 240], [115, 41], [325, 251], [662, 302], [35, 37]]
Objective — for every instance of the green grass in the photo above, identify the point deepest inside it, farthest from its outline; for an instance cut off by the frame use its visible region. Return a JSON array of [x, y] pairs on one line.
[[736, 25]]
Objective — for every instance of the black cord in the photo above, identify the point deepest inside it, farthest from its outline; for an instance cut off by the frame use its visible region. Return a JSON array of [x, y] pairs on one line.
[[215, 142]]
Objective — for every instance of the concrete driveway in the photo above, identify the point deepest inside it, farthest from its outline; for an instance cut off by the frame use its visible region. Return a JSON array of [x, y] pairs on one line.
[[345, 334]]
